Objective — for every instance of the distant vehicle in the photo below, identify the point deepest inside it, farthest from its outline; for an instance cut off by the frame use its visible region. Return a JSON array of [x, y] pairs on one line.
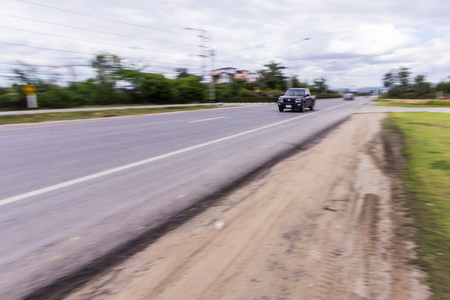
[[349, 96], [296, 99]]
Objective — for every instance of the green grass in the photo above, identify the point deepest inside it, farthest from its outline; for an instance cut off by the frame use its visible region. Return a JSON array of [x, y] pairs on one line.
[[59, 116], [426, 176], [431, 103]]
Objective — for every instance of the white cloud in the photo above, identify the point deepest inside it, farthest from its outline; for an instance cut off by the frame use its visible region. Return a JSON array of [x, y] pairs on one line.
[[370, 39], [352, 43]]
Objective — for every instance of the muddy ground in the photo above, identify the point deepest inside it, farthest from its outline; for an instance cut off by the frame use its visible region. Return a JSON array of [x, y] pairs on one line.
[[323, 224]]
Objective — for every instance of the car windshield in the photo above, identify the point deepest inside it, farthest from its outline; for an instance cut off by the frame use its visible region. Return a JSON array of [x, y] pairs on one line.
[[295, 93]]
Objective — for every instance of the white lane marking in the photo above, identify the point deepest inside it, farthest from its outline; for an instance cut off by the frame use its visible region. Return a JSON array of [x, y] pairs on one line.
[[149, 160], [206, 120]]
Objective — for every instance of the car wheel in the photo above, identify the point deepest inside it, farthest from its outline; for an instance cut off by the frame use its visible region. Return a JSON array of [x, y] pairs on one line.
[[302, 107], [280, 109], [312, 105]]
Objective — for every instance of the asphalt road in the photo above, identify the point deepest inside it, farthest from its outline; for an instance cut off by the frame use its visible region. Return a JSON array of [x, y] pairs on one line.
[[44, 111], [71, 191]]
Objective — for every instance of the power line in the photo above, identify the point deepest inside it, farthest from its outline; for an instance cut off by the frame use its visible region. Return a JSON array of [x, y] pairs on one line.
[[38, 56], [162, 65], [152, 64], [43, 66], [45, 48], [98, 31], [155, 65], [76, 39], [69, 51], [101, 18]]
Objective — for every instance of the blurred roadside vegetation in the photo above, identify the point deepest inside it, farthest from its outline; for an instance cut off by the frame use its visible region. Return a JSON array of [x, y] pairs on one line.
[[426, 103], [401, 86], [117, 83], [426, 177]]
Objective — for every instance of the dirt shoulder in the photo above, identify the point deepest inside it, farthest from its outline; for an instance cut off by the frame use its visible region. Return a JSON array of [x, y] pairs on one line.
[[321, 224]]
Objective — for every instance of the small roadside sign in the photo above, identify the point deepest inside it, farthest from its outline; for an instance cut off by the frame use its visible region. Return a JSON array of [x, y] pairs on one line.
[[30, 91]]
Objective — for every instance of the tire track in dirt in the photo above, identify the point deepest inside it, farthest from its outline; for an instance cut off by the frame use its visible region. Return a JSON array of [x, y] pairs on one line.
[[318, 225]]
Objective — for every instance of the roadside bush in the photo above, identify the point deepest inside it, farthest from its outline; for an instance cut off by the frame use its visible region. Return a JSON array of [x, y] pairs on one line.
[[250, 99], [156, 89], [237, 86], [6, 101], [247, 94], [189, 90], [55, 97], [222, 91], [84, 92], [252, 86], [144, 88], [427, 96], [90, 92], [271, 93], [13, 98], [443, 87]]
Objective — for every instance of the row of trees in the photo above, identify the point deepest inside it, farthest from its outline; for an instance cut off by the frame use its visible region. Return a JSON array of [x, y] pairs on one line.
[[119, 83], [272, 77], [400, 85]]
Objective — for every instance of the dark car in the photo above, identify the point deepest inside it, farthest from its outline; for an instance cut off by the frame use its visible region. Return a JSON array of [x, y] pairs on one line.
[[296, 99]]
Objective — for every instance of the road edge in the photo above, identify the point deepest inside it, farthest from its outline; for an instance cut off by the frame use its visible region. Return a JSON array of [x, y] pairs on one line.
[[65, 285]]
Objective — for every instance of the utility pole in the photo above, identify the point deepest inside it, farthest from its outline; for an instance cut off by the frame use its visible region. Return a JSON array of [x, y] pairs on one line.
[[212, 89], [206, 51]]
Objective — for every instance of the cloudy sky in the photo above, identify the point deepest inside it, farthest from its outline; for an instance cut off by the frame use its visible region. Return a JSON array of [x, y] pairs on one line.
[[352, 43]]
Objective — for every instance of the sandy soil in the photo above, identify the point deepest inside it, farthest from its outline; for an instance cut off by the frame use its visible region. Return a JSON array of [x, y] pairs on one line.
[[319, 225]]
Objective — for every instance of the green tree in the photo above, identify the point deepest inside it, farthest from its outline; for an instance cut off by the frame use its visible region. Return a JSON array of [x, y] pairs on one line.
[[146, 87], [236, 86], [189, 90], [389, 80], [403, 77], [398, 77], [26, 74], [91, 92], [398, 82], [29, 74], [13, 97], [420, 86], [223, 91], [56, 97], [321, 85], [85, 92], [272, 77], [182, 73], [106, 66], [296, 83], [443, 87], [50, 94]]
